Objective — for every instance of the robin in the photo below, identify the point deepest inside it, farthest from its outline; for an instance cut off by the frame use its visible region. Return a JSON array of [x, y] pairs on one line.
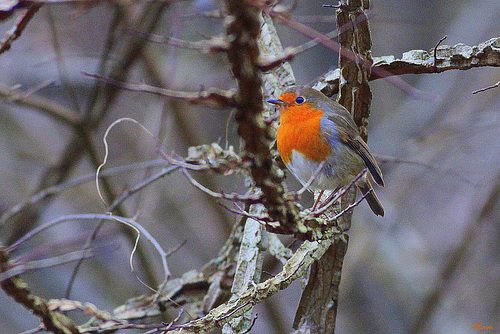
[[314, 129]]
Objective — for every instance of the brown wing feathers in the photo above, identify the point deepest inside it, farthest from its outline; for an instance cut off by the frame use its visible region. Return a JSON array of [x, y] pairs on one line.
[[359, 146]]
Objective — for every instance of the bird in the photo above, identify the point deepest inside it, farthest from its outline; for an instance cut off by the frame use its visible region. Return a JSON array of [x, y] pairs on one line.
[[317, 137]]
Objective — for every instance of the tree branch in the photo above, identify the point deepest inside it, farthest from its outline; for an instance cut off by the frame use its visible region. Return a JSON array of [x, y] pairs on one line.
[[294, 268], [457, 57], [243, 54], [212, 95], [46, 106], [16, 288], [21, 23]]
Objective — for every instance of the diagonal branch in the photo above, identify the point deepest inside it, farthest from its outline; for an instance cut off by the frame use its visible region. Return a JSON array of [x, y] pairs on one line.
[[16, 288], [49, 107], [21, 23], [212, 45], [294, 268]]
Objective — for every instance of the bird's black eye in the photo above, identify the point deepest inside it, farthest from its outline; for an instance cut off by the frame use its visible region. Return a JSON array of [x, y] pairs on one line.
[[300, 100]]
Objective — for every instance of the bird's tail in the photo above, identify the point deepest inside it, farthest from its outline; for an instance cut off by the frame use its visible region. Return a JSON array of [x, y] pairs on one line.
[[371, 198]]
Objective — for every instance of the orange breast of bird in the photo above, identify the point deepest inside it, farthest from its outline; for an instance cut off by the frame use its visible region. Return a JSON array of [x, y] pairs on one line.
[[300, 131]]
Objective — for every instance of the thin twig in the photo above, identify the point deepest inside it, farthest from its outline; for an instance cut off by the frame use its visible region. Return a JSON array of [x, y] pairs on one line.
[[352, 205], [212, 95], [127, 221], [435, 51], [266, 65], [24, 267], [215, 44], [248, 198], [337, 195], [311, 179], [487, 88], [141, 185], [240, 211]]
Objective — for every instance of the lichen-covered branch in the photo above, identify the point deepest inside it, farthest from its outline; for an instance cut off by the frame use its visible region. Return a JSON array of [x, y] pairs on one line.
[[185, 290], [248, 271], [15, 287], [294, 268], [456, 57], [243, 31]]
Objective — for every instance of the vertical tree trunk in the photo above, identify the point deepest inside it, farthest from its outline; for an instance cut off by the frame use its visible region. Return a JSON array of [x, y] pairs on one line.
[[317, 311]]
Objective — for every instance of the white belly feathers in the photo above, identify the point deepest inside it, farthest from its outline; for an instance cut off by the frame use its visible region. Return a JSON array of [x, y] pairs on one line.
[[334, 174]]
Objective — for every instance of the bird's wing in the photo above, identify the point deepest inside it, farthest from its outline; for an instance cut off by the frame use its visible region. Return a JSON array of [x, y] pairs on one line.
[[357, 144]]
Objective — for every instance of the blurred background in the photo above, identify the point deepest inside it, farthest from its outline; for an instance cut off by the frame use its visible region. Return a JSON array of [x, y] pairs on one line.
[[432, 263]]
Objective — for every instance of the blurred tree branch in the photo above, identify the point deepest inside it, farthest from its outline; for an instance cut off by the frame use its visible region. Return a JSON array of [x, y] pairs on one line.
[[211, 96], [44, 105], [456, 259], [83, 142]]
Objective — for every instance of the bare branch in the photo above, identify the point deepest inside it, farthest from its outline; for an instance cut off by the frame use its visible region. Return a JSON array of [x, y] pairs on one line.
[[56, 189], [240, 211], [290, 53], [211, 96], [21, 23], [23, 267], [487, 88], [212, 45], [46, 106], [248, 198], [129, 222]]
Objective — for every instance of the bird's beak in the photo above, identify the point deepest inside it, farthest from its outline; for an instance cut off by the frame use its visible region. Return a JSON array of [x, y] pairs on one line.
[[276, 101]]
